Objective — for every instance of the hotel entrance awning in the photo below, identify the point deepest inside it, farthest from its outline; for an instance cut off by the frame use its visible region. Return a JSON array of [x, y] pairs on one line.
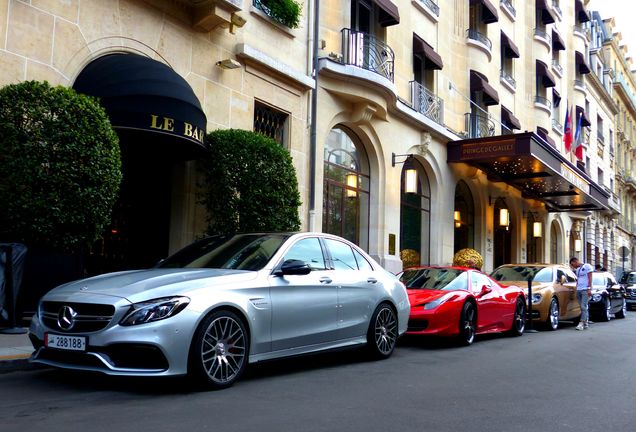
[[534, 167]]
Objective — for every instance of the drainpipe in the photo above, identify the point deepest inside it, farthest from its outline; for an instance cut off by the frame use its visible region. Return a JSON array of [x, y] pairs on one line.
[[312, 133]]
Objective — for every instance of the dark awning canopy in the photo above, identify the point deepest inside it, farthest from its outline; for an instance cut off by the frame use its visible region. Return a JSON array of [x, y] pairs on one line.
[[581, 64], [142, 94], [546, 13], [544, 133], [557, 41], [509, 119], [389, 13], [509, 47], [585, 120], [432, 59], [556, 97], [489, 12], [545, 74], [534, 167], [580, 12], [479, 83]]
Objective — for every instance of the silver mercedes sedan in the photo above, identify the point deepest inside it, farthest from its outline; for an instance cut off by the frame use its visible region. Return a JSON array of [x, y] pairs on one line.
[[221, 303]]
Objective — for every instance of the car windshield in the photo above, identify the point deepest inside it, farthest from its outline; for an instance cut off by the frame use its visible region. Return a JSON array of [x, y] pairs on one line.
[[523, 273], [435, 279], [628, 278], [239, 252]]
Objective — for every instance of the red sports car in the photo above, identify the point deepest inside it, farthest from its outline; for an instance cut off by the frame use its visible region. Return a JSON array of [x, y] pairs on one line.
[[461, 302]]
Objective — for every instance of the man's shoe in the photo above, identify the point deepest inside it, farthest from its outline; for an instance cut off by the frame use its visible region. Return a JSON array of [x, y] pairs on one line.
[[586, 326], [581, 326]]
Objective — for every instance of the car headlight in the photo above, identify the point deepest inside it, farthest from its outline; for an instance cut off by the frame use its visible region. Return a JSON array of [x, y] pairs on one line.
[[536, 298], [439, 301], [596, 297], [154, 310]]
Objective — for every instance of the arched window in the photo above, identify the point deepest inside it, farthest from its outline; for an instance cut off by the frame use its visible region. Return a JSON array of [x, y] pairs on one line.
[[502, 233], [533, 242], [464, 217], [346, 188], [415, 217], [556, 251]]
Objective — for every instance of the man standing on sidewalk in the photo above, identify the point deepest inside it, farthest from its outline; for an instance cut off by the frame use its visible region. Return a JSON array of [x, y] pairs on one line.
[[583, 289]]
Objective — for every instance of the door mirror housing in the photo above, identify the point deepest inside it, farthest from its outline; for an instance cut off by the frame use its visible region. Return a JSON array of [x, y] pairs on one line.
[[293, 267], [563, 280], [485, 290]]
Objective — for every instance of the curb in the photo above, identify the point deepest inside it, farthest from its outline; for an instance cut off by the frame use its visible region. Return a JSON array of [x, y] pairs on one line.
[[15, 363]]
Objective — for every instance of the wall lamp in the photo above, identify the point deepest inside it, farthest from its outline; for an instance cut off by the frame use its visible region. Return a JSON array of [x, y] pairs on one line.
[[410, 180], [537, 226], [228, 63], [504, 213], [352, 185], [457, 217]]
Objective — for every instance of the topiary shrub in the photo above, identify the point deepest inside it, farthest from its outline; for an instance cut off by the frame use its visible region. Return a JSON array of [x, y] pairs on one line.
[[250, 184], [60, 166], [286, 12]]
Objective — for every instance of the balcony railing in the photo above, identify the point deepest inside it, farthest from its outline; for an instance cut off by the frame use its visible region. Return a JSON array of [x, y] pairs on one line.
[[508, 78], [508, 5], [480, 37], [578, 28], [431, 5], [543, 35], [478, 126], [557, 126], [557, 9], [580, 84], [543, 101], [367, 52], [427, 103], [557, 67]]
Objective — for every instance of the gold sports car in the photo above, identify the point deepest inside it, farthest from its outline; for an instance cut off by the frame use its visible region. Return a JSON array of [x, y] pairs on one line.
[[553, 290]]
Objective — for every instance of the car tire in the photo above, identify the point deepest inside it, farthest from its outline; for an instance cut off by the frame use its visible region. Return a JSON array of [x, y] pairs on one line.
[[519, 319], [467, 324], [219, 351], [383, 332], [621, 313], [552, 323], [606, 313]]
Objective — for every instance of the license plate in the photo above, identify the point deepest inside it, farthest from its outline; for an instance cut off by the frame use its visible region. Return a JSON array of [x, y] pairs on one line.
[[70, 343]]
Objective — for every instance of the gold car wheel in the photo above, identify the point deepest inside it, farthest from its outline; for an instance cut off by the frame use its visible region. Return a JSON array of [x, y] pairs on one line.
[[553, 317]]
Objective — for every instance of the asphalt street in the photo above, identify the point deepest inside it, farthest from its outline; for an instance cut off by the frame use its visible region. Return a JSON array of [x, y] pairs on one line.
[[566, 380]]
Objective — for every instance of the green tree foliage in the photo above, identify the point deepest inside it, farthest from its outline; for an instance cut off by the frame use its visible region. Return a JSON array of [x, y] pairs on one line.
[[60, 166], [286, 12], [250, 184]]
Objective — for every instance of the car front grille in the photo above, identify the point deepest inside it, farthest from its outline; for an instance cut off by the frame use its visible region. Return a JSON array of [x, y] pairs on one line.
[[86, 317]]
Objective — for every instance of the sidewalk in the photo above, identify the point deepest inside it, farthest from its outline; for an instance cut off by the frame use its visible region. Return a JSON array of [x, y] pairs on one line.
[[15, 350]]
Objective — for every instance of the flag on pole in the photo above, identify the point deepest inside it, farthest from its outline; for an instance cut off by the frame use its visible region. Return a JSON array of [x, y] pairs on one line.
[[567, 130], [578, 139]]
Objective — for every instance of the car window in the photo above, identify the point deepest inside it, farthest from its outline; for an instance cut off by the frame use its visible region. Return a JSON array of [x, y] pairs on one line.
[[570, 276], [560, 275], [478, 280], [522, 273], [435, 278], [341, 255], [363, 264], [309, 251]]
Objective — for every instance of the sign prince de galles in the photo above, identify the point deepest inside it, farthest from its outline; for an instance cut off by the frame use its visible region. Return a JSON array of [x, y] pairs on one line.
[[487, 150], [176, 127]]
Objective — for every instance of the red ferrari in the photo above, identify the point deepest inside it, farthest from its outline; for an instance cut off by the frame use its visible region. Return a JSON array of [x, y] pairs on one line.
[[461, 302]]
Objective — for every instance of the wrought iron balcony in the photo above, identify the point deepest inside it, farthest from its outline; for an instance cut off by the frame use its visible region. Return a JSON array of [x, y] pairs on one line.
[[431, 5], [367, 52], [557, 67], [504, 75], [543, 35], [479, 37], [557, 126], [427, 103], [543, 101], [478, 126], [508, 5]]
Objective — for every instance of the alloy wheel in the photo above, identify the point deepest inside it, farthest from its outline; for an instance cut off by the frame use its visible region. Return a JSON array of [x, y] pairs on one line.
[[520, 317], [468, 324], [554, 315], [223, 350], [385, 331]]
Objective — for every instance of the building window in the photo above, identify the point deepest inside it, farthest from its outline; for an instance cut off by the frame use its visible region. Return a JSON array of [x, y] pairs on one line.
[[346, 188], [464, 217], [271, 122]]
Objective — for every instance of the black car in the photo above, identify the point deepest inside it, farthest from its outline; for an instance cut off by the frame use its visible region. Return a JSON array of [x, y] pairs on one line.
[[628, 281], [608, 297]]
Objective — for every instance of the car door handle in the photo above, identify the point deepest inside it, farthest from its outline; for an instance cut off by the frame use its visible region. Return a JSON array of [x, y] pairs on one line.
[[372, 280], [325, 280]]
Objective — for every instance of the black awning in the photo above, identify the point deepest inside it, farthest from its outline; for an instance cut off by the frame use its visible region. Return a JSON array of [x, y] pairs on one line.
[[509, 47], [556, 98], [431, 58], [557, 41], [545, 74], [580, 12], [581, 64], [489, 12], [142, 94], [535, 167], [545, 134], [479, 83], [509, 119], [389, 13], [585, 120], [546, 13]]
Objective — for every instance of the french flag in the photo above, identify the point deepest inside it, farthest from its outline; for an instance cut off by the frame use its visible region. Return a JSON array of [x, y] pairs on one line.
[[578, 140], [567, 130]]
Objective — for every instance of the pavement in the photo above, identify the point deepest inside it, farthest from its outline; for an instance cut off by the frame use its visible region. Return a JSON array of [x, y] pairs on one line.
[[15, 350]]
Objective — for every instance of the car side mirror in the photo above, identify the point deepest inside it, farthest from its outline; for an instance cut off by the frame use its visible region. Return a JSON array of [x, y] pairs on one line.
[[293, 267], [563, 280], [484, 290]]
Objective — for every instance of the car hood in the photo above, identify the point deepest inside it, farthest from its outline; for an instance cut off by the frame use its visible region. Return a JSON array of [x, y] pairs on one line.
[[130, 283], [421, 296]]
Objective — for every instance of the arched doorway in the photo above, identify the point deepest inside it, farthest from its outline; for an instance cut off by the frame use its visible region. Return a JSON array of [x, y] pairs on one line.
[[346, 187], [464, 217], [160, 125], [534, 235], [502, 234], [415, 215], [556, 247]]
